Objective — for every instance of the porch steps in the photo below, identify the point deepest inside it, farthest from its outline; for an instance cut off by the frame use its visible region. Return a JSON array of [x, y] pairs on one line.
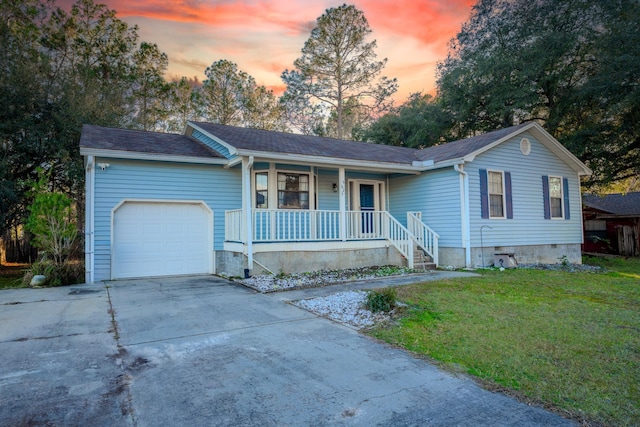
[[422, 261]]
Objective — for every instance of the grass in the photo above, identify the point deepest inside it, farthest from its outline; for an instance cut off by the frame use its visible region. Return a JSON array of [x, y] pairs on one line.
[[11, 275], [567, 341]]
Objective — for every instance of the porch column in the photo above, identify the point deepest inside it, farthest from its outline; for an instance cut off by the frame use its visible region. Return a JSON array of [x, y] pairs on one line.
[[247, 163], [343, 204]]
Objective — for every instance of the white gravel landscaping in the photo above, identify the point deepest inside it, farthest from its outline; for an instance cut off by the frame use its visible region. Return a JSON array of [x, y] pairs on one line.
[[283, 282], [345, 307]]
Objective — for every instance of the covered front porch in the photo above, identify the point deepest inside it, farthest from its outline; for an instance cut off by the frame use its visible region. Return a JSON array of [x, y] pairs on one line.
[[315, 209]]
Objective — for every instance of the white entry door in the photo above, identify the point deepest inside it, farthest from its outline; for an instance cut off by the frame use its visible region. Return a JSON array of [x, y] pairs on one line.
[[161, 239]]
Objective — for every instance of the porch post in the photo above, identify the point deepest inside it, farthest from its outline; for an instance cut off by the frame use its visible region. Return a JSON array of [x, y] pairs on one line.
[[246, 187], [343, 204]]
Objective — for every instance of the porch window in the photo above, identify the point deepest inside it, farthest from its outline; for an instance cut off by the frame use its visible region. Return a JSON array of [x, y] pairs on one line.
[[262, 192], [496, 195], [555, 196], [293, 191]]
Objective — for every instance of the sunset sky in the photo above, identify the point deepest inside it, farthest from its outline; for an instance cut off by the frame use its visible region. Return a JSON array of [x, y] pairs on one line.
[[264, 37]]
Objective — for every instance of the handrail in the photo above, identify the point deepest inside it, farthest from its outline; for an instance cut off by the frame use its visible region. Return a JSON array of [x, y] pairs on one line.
[[286, 225], [426, 238]]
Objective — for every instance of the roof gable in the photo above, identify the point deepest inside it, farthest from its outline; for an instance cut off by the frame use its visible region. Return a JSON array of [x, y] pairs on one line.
[[467, 149]]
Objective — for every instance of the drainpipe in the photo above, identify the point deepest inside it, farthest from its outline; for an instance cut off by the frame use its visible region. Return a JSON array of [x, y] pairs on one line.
[[89, 243], [246, 175], [464, 213]]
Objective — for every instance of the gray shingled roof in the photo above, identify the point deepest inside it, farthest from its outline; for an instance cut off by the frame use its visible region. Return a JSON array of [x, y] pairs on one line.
[[281, 142], [98, 137], [136, 141], [289, 143], [463, 147], [617, 204]]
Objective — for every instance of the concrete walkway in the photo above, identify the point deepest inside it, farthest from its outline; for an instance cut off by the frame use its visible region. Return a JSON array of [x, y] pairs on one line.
[[203, 351]]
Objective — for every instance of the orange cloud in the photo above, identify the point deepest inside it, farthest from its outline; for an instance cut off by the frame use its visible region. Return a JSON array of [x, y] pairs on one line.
[[264, 36], [432, 22]]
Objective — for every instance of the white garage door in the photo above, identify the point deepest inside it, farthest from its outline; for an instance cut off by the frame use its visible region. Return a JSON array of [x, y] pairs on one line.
[[161, 239]]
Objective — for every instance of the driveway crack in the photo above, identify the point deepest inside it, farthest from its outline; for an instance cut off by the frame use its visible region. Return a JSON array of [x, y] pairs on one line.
[[122, 383]]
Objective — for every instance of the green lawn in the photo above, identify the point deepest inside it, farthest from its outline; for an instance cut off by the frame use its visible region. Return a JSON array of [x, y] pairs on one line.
[[567, 341]]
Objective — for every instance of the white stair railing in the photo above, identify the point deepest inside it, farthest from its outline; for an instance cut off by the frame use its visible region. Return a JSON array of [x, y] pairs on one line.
[[398, 235], [425, 237]]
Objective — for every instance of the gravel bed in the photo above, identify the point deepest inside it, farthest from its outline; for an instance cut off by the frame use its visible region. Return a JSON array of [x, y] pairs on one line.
[[274, 283], [345, 307]]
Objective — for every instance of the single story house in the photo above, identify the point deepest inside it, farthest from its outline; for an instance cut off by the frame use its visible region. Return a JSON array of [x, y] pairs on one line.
[[612, 223], [222, 199]]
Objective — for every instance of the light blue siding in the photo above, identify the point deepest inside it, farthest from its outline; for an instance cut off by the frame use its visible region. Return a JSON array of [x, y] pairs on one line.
[[290, 167], [365, 175], [212, 143], [528, 226], [327, 198], [437, 195], [219, 188]]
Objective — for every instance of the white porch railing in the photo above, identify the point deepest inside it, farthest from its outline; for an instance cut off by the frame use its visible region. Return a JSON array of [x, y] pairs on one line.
[[296, 225], [426, 238]]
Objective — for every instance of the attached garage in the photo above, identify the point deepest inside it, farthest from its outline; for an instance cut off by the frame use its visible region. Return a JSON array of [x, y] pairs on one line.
[[161, 238]]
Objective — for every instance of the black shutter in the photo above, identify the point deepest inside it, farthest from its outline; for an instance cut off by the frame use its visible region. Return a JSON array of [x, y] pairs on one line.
[[484, 194], [508, 195], [545, 195]]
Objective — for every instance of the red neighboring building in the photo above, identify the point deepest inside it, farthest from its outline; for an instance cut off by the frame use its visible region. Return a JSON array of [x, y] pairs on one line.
[[612, 223]]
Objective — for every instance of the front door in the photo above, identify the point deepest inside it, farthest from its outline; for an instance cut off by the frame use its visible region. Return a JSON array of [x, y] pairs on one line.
[[365, 202], [367, 208]]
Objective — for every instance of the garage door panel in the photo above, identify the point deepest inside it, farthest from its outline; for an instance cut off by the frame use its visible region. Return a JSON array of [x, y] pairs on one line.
[[160, 239]]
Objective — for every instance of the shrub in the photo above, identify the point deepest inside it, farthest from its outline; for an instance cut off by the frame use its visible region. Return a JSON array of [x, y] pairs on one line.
[[381, 300], [50, 221], [66, 273]]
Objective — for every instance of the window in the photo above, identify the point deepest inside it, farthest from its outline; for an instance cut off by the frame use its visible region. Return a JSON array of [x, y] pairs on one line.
[[262, 192], [496, 198], [496, 195], [555, 196], [293, 191], [555, 193]]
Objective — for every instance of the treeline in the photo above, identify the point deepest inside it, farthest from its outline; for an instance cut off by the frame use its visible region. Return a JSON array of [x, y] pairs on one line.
[[572, 65]]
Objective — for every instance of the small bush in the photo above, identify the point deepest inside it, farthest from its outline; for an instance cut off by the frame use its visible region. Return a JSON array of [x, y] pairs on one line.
[[67, 273], [381, 300]]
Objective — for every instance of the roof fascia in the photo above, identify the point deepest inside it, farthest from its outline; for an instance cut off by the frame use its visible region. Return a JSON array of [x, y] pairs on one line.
[[545, 139], [616, 216], [232, 150], [317, 160], [131, 155]]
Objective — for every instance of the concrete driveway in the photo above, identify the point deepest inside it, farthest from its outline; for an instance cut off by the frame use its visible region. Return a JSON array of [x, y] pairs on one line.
[[202, 351]]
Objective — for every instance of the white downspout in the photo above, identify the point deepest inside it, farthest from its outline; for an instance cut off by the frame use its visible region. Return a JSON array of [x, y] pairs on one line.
[[464, 213], [89, 241], [246, 175]]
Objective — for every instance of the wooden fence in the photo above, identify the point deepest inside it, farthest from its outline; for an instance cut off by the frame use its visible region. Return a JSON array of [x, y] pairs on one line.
[[17, 251], [629, 240]]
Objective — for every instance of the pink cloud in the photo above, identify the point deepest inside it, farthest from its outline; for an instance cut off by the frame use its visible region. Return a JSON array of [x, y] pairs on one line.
[[264, 36], [432, 22]]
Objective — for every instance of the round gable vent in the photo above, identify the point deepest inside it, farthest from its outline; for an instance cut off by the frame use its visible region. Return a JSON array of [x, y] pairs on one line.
[[525, 146]]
